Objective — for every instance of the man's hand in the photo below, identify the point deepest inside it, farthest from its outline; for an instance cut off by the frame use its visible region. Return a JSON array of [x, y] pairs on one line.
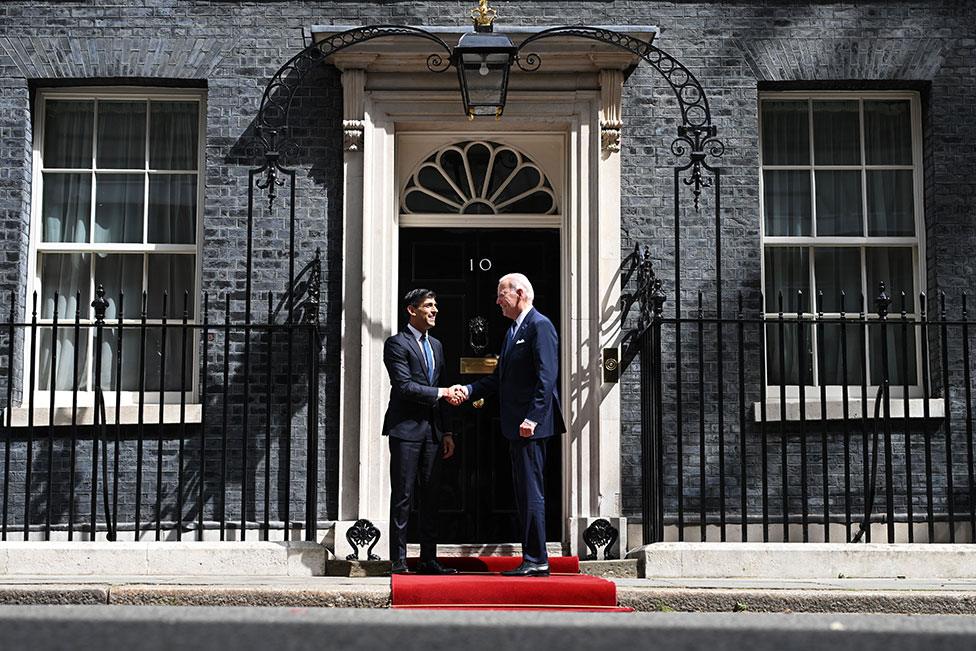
[[447, 445], [527, 428], [454, 395]]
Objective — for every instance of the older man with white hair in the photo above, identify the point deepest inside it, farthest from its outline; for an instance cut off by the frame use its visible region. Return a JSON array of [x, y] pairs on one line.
[[525, 382]]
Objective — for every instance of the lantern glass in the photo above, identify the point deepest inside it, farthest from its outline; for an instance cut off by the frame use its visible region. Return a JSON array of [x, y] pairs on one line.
[[483, 61]]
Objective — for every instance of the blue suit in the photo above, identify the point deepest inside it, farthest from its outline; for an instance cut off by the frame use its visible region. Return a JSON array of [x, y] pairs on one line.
[[525, 382], [414, 426]]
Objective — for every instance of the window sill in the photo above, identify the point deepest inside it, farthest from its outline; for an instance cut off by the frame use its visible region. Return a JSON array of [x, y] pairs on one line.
[[128, 415], [835, 409]]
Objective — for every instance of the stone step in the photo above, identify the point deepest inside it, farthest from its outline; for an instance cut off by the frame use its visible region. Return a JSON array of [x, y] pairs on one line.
[[292, 558]]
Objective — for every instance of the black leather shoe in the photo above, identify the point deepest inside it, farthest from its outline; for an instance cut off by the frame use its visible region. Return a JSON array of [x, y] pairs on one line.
[[399, 567], [529, 569], [433, 567]]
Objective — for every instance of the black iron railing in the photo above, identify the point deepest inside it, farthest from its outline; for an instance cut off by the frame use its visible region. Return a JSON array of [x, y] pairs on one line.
[[853, 426], [162, 429]]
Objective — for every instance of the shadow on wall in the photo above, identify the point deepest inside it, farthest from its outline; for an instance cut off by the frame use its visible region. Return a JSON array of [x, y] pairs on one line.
[[313, 150]]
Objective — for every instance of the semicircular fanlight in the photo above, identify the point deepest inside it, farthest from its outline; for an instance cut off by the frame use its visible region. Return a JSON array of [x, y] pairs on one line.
[[478, 177]]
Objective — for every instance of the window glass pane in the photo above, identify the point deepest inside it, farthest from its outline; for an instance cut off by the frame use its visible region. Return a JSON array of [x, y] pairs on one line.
[[65, 207], [118, 207], [172, 208], [502, 169], [888, 132], [787, 272], [900, 350], [120, 274], [66, 274], [128, 356], [786, 202], [839, 270], [836, 133], [836, 367], [68, 133], [174, 357], [432, 178], [172, 274], [61, 360], [891, 208], [479, 155], [453, 163], [121, 135], [785, 133], [537, 202], [786, 368], [173, 135], [419, 201], [894, 267], [839, 203]]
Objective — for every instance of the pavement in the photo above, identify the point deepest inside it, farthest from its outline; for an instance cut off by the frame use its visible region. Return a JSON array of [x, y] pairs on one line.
[[296, 629], [842, 595]]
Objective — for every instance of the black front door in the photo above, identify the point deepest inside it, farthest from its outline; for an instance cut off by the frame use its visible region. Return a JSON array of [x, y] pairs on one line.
[[463, 267]]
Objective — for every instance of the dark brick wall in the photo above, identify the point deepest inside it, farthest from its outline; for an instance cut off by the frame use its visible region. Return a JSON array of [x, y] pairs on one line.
[[734, 48]]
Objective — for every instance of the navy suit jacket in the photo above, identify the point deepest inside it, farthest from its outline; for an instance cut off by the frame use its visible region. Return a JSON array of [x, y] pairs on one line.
[[413, 413], [525, 379]]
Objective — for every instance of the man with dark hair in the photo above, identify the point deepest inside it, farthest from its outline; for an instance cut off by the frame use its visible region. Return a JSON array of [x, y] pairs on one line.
[[413, 421]]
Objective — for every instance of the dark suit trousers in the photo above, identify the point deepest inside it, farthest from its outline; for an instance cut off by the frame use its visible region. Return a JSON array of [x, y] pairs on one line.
[[528, 465], [414, 467]]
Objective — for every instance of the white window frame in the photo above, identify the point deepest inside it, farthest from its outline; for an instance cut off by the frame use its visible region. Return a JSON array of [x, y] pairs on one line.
[[917, 243], [85, 398]]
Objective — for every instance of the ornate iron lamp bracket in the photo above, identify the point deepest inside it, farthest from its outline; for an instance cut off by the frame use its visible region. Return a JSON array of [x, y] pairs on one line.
[[697, 136]]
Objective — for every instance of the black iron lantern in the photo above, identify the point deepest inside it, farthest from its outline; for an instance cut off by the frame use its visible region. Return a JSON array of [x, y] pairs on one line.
[[483, 60]]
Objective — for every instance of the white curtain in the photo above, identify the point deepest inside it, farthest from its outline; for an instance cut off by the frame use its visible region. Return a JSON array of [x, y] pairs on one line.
[[67, 275], [119, 200]]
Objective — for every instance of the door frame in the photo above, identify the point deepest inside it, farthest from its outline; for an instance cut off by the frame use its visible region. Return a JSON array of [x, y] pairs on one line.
[[590, 254]]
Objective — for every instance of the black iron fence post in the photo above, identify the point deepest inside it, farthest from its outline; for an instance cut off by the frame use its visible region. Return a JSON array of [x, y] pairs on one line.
[[882, 303], [100, 305], [310, 317], [650, 298]]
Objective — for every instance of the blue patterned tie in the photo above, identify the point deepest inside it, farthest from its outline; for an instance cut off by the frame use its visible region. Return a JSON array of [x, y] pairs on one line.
[[429, 356]]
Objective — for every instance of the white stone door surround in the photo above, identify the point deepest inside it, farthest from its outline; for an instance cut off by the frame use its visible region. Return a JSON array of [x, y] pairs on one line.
[[389, 98]]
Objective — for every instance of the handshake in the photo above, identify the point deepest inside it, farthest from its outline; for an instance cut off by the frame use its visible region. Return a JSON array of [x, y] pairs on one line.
[[455, 394]]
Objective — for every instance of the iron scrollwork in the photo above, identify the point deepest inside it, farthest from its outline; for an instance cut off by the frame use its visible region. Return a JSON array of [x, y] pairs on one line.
[[698, 142], [696, 131], [648, 295], [600, 534], [697, 136], [272, 119], [360, 534]]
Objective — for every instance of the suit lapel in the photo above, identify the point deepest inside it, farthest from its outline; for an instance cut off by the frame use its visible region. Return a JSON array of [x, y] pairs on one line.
[[414, 347], [509, 342]]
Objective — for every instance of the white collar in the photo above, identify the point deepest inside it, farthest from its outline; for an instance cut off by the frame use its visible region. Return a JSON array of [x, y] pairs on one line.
[[417, 334], [521, 317]]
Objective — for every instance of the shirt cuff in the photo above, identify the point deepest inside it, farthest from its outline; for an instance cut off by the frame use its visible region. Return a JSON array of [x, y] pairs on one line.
[[530, 422]]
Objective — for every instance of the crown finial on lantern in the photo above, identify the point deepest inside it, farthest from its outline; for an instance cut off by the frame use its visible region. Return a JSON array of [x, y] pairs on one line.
[[484, 16]]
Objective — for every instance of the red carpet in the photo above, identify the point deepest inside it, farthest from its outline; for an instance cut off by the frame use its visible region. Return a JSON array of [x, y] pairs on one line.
[[557, 564], [566, 589]]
